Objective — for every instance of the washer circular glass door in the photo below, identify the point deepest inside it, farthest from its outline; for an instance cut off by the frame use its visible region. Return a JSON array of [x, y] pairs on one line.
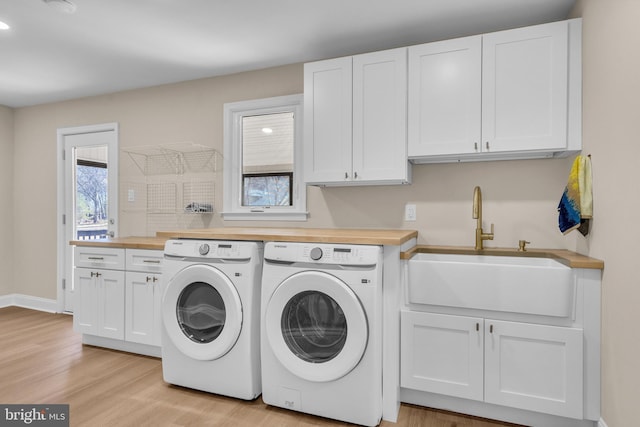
[[202, 312], [316, 326]]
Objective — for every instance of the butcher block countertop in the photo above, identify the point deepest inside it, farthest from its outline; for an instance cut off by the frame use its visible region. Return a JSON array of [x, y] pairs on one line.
[[336, 235], [569, 258], [133, 242], [318, 235]]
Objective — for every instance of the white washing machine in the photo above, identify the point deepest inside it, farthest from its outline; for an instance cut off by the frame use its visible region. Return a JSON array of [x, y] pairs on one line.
[[322, 330], [211, 316]]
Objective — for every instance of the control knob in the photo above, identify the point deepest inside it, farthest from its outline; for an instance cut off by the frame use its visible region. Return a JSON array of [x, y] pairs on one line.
[[204, 249], [316, 254]]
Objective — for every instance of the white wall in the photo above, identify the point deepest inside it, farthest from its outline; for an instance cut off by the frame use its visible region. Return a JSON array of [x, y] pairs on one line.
[[6, 195], [611, 63]]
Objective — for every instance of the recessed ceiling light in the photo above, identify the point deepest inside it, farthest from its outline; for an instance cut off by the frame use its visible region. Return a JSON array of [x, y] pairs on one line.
[[66, 6], [267, 130], [4, 26]]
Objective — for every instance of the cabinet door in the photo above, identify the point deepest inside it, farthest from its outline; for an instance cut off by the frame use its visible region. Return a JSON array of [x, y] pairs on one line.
[[85, 314], [380, 116], [442, 354], [142, 306], [524, 88], [444, 97], [534, 367], [328, 121], [111, 304]]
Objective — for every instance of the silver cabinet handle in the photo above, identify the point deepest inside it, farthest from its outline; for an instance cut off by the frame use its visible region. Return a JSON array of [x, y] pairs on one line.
[[96, 258], [151, 261]]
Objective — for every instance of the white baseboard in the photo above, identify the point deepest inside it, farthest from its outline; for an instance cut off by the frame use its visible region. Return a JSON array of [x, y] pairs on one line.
[[28, 301]]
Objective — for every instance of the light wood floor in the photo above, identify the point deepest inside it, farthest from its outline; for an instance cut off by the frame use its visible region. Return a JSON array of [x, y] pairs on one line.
[[42, 361]]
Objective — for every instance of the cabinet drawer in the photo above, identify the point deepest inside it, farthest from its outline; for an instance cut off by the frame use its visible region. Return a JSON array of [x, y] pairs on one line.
[[146, 261], [96, 257]]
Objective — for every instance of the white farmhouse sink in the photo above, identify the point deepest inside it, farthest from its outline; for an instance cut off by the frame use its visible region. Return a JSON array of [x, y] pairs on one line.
[[540, 286]]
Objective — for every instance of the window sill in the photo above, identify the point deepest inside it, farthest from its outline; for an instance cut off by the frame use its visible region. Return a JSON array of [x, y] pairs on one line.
[[264, 216]]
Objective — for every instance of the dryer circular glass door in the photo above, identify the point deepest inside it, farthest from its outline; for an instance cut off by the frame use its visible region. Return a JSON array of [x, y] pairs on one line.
[[202, 312], [316, 326]]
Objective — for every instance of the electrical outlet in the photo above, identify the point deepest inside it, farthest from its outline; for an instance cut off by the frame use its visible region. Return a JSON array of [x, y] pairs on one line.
[[410, 212]]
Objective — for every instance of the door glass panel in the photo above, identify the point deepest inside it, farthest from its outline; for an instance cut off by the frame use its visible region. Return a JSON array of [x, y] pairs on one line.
[[314, 326], [201, 312], [90, 195]]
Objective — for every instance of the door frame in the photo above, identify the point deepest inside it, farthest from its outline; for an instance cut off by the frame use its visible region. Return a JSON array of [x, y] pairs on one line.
[[64, 274]]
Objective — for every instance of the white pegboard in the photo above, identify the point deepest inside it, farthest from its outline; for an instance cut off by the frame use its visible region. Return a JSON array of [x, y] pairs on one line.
[[162, 197]]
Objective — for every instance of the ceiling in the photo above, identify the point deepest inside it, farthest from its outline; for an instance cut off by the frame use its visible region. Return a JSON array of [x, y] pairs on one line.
[[107, 46]]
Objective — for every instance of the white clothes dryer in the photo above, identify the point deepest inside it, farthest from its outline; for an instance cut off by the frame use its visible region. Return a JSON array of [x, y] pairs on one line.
[[211, 316], [322, 330]]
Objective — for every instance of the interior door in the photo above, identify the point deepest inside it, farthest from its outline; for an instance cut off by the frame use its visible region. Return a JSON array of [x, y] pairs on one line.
[[87, 194]]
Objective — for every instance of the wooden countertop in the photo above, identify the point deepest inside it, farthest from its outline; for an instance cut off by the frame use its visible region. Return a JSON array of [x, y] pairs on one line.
[[133, 242], [331, 235], [569, 258], [318, 235]]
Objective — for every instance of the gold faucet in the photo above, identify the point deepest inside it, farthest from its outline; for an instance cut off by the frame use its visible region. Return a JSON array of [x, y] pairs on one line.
[[477, 214]]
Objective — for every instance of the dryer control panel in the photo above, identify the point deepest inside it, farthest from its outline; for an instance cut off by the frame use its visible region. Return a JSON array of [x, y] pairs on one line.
[[322, 253]]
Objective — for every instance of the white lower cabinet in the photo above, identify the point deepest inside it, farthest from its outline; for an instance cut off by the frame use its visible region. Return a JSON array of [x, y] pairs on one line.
[[519, 365], [142, 307], [99, 291], [143, 294], [442, 354], [117, 298], [99, 302]]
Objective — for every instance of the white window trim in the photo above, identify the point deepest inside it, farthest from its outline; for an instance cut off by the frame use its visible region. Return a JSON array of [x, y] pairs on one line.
[[232, 204]]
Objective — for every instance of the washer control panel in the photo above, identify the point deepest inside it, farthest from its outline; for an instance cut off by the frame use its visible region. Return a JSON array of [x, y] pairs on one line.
[[320, 253], [208, 249], [204, 249]]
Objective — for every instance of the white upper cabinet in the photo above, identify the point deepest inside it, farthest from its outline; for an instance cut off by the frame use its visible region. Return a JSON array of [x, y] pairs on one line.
[[328, 94], [445, 97], [355, 120], [509, 94], [524, 88]]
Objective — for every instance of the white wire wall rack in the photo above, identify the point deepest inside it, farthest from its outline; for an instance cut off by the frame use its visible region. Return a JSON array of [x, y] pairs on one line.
[[174, 159], [179, 180]]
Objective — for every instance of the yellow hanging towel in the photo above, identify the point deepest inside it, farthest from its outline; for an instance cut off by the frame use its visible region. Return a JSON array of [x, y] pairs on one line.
[[576, 205]]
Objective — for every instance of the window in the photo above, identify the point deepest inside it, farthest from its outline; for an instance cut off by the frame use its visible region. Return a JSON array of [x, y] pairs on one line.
[[263, 177]]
